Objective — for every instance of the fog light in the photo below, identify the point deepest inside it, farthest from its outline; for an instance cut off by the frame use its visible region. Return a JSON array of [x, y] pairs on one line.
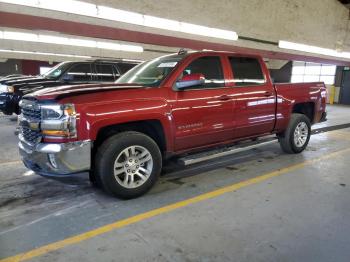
[[52, 160]]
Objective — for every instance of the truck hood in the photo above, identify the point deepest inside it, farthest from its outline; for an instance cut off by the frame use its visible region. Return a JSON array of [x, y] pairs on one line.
[[19, 82], [52, 93], [14, 78]]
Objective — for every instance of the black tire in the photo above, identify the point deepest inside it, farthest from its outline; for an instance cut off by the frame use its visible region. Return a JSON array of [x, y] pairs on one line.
[[111, 151], [286, 139], [93, 179], [8, 113]]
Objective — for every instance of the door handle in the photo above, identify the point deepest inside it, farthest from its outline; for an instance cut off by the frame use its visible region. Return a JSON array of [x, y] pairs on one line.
[[267, 93], [224, 98]]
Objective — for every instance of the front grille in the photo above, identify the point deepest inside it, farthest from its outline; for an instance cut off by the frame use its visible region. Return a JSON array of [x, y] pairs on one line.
[[31, 136], [31, 114]]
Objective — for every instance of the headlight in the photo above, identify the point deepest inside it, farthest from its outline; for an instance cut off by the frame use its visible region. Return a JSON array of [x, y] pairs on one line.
[[3, 88], [58, 120], [10, 89], [51, 112]]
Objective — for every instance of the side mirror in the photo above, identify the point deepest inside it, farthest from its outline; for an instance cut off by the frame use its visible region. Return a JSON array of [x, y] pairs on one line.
[[196, 79]]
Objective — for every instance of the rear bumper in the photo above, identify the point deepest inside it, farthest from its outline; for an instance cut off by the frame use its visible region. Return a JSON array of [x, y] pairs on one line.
[[56, 159]]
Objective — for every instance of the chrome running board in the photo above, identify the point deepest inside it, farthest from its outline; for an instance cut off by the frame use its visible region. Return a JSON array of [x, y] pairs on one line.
[[208, 155]]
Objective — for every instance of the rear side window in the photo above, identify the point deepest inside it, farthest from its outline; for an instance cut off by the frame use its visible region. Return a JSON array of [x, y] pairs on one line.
[[124, 67], [79, 72], [210, 67], [246, 71], [105, 72]]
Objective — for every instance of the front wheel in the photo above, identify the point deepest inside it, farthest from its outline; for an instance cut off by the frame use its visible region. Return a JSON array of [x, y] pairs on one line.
[[128, 164], [297, 135]]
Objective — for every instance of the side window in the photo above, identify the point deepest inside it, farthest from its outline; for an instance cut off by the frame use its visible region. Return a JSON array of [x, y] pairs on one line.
[[246, 71], [124, 67], [79, 72], [210, 67], [105, 72]]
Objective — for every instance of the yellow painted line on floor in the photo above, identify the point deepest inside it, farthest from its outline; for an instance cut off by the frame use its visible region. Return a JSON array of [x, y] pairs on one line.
[[132, 220]]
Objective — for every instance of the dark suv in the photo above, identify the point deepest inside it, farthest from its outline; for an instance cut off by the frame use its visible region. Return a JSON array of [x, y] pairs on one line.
[[65, 73]]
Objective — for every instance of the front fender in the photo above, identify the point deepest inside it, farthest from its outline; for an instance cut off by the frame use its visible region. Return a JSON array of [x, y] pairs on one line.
[[97, 116]]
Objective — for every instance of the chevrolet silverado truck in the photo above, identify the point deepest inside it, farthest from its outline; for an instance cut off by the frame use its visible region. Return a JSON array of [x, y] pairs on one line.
[[65, 73], [175, 104]]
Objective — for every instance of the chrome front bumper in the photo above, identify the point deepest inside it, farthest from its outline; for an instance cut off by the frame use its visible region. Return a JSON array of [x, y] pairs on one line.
[[56, 159]]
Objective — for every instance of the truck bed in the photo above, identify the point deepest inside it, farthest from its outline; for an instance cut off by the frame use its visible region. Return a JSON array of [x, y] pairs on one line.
[[290, 95]]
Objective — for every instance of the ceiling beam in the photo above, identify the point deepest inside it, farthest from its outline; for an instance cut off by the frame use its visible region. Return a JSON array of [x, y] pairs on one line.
[[22, 21]]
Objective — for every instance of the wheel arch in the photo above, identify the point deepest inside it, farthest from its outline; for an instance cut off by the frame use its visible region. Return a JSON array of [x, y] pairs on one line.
[[151, 127], [305, 108]]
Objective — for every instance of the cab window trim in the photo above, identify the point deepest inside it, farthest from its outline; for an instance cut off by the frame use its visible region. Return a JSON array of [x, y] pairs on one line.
[[91, 74], [203, 87], [233, 73], [114, 71], [117, 71]]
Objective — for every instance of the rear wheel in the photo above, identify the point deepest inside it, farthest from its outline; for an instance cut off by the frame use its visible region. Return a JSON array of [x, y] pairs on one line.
[[128, 164], [297, 135]]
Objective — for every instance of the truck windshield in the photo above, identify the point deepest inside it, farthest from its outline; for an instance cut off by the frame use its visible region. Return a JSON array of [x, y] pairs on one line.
[[151, 73], [56, 71]]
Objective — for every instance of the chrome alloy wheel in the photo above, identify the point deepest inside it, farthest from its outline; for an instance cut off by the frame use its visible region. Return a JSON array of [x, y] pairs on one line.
[[133, 166], [301, 134]]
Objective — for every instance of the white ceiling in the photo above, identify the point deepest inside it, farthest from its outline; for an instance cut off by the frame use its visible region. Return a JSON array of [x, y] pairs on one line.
[[298, 21]]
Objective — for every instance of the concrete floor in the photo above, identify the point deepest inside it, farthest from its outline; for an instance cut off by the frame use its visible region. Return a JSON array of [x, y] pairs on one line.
[[300, 215]]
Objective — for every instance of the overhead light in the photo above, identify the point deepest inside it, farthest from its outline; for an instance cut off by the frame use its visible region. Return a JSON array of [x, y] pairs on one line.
[[53, 39], [312, 49], [109, 13], [19, 36], [69, 6], [131, 48], [43, 53], [105, 45], [207, 31], [161, 23], [72, 41], [82, 42], [114, 14], [33, 3]]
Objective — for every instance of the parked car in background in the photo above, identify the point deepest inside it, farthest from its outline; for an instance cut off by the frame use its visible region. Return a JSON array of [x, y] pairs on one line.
[[65, 73], [165, 107], [4, 79]]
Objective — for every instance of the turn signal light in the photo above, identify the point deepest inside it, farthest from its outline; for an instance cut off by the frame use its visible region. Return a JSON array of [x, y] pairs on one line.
[[59, 133], [69, 110]]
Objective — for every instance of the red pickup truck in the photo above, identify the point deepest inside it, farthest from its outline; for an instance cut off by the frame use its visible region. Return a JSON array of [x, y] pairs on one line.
[[171, 105]]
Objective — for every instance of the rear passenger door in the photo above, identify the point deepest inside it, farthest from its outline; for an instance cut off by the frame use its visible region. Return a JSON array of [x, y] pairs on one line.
[[254, 97], [106, 72], [203, 114]]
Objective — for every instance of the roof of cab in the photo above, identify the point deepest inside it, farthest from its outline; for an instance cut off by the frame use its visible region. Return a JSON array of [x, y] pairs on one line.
[[213, 52]]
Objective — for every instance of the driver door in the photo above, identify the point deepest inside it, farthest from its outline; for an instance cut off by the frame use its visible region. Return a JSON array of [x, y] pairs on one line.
[[203, 113]]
